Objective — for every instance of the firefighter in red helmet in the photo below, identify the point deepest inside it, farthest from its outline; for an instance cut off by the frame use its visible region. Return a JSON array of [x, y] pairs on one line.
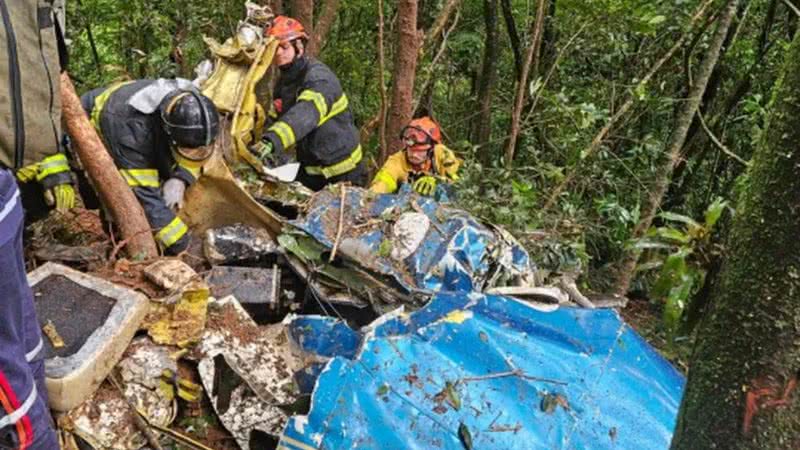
[[311, 113], [423, 162]]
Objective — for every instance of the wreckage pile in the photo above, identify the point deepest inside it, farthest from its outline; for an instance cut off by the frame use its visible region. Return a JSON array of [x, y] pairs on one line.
[[356, 325]]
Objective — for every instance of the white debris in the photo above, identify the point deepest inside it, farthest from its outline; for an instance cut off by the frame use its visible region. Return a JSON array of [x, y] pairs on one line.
[[408, 233]]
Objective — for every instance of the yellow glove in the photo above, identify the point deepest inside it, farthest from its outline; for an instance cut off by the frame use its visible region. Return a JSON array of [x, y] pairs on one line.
[[54, 175], [64, 196], [28, 173], [425, 185]]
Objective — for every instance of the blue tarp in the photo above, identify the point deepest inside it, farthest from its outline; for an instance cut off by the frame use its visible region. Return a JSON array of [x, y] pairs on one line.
[[458, 252], [505, 374]]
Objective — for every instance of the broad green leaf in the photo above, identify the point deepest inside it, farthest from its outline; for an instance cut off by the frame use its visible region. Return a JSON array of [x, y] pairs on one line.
[[714, 212], [672, 272], [673, 235], [674, 217], [655, 20], [647, 244]]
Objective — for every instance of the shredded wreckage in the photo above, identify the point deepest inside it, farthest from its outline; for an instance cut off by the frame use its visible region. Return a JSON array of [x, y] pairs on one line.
[[336, 319]]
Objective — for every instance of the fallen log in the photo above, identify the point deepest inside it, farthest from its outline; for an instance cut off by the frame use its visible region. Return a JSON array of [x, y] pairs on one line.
[[114, 193]]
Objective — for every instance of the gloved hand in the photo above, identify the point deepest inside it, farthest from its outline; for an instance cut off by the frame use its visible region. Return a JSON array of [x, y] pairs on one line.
[[54, 174], [172, 192], [425, 185], [62, 195], [262, 150]]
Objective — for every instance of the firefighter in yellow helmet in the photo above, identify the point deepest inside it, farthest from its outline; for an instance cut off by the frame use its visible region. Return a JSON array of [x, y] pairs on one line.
[[424, 161]]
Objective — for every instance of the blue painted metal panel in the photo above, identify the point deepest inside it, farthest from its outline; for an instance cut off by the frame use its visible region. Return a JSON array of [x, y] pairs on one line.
[[518, 377], [456, 254]]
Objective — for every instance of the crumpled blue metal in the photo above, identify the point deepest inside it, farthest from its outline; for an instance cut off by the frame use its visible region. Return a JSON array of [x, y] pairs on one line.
[[458, 253], [513, 376]]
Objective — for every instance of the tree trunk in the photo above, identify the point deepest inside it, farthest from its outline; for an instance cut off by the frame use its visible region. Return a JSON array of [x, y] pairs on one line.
[[303, 10], [277, 6], [513, 36], [672, 151], [384, 153], [531, 61], [621, 111], [482, 126], [323, 26], [117, 197], [741, 392], [405, 67]]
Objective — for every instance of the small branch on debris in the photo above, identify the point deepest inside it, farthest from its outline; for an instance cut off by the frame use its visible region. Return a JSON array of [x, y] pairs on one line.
[[511, 373], [180, 438], [141, 423], [341, 223], [119, 245], [569, 286]]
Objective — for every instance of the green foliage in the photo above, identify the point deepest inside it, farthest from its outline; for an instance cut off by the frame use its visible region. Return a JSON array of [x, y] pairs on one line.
[[581, 81], [679, 251]]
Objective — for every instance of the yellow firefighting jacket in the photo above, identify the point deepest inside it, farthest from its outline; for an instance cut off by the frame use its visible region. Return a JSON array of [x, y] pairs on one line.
[[397, 170]]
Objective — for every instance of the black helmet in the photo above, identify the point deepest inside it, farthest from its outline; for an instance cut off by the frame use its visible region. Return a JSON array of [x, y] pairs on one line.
[[190, 119]]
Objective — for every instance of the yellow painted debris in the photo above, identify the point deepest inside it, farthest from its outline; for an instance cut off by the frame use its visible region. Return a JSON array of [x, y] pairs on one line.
[[458, 316], [183, 323], [50, 331]]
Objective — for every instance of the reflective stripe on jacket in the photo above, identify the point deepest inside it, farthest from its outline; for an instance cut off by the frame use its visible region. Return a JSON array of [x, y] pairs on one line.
[[397, 170]]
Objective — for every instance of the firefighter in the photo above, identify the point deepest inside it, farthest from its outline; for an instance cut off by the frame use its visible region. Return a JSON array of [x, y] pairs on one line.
[[423, 162], [29, 138], [156, 131], [31, 130], [311, 113]]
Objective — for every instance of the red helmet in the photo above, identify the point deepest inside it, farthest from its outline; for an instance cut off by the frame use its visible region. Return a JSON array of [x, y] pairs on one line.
[[421, 131], [286, 29]]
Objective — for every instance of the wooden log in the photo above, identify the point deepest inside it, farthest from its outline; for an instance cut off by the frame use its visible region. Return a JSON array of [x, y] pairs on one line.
[[114, 193]]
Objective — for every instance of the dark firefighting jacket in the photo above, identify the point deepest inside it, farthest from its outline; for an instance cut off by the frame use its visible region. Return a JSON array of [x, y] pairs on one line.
[[142, 152], [311, 112]]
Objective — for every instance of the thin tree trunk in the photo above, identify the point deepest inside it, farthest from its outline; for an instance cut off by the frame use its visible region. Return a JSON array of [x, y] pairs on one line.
[[323, 26], [405, 67], [303, 10], [382, 87], [513, 36], [440, 23], [482, 125], [530, 66], [277, 6], [623, 109], [674, 145], [742, 387], [423, 106], [115, 194], [92, 44]]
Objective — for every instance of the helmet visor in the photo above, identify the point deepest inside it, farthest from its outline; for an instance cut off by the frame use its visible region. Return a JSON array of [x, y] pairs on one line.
[[413, 137]]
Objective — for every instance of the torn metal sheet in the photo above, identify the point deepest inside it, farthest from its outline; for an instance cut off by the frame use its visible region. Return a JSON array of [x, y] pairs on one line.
[[256, 289], [247, 371], [236, 243], [458, 253], [493, 369], [104, 420]]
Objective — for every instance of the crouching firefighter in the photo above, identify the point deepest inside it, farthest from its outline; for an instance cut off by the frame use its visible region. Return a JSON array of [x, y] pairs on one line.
[[156, 130], [311, 113], [423, 162]]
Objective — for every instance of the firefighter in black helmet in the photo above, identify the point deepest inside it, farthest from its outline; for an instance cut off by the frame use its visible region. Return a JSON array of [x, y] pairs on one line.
[[159, 133]]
